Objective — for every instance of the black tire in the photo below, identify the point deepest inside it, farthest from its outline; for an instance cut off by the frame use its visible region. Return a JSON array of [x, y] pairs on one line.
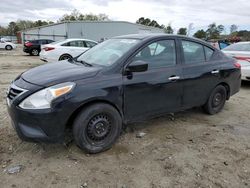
[[216, 100], [64, 57], [34, 52], [97, 127], [8, 47]]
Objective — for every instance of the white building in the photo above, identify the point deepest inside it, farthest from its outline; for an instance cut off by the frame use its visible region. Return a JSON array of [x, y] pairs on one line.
[[94, 30]]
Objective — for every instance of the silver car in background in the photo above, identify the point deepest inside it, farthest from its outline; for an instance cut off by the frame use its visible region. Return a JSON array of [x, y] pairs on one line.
[[241, 52]]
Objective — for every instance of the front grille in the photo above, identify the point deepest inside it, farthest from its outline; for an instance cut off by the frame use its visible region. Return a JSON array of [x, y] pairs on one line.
[[14, 91]]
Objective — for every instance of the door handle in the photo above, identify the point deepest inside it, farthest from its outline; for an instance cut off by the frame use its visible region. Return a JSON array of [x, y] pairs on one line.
[[215, 71], [173, 78]]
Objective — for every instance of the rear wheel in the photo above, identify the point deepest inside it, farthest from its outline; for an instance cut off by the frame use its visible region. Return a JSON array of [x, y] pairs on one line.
[[216, 100], [8, 47], [34, 52], [97, 127], [64, 57]]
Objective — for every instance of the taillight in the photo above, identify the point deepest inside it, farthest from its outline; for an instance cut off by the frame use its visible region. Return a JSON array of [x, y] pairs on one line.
[[48, 48], [237, 65], [28, 44], [242, 58]]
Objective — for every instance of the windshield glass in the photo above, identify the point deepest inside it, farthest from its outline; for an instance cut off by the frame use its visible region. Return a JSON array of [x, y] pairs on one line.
[[107, 52], [238, 47]]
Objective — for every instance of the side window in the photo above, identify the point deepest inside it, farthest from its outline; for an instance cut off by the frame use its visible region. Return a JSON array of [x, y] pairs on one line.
[[77, 43], [158, 54], [42, 42], [208, 52], [90, 44], [193, 52]]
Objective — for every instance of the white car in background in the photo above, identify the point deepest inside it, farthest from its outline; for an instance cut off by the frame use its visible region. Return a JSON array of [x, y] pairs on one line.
[[65, 49], [7, 45], [241, 52]]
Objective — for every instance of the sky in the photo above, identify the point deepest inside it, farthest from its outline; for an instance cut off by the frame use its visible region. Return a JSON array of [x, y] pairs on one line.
[[179, 13]]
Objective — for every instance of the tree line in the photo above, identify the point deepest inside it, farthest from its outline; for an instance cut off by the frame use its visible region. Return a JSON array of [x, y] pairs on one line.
[[213, 30]]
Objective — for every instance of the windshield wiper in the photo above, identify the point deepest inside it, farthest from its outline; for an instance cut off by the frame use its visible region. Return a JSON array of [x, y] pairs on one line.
[[84, 63]]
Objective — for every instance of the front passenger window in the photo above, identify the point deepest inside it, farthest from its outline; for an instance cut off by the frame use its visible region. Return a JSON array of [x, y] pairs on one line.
[[158, 54]]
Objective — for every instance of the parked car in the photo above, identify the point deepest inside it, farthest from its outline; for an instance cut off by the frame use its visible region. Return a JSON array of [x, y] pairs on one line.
[[7, 45], [241, 52], [121, 80], [65, 49], [33, 47]]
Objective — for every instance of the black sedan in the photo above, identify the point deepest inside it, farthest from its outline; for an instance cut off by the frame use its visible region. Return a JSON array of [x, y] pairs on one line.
[[122, 80]]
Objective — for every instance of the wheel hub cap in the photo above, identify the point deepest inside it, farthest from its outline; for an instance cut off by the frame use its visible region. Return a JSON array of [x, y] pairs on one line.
[[99, 127]]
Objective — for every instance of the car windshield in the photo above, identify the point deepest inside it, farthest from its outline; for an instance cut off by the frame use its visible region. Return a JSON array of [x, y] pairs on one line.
[[107, 52], [238, 47]]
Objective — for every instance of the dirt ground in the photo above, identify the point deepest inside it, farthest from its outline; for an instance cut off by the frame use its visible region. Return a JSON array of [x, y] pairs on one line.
[[191, 149]]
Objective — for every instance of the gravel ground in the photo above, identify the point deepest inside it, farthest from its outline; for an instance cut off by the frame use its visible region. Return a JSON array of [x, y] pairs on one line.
[[189, 149]]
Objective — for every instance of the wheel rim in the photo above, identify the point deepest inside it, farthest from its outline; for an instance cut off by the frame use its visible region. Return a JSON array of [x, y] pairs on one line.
[[8, 47], [218, 99], [99, 128], [34, 52]]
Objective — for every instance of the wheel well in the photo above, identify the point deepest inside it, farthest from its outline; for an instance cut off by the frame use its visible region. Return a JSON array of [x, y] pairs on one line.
[[76, 112], [64, 55], [227, 88], [8, 45]]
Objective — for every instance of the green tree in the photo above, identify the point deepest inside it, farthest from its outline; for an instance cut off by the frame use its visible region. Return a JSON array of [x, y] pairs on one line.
[[169, 29], [214, 31], [3, 31], [148, 22], [233, 28], [12, 28], [201, 34], [182, 31], [75, 15]]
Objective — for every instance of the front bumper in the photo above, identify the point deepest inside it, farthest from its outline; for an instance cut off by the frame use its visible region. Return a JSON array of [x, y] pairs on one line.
[[41, 126], [44, 125]]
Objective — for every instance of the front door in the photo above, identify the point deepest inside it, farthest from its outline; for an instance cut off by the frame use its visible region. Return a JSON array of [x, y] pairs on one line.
[[157, 90]]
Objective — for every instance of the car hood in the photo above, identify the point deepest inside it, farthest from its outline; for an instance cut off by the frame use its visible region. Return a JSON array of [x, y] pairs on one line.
[[54, 73]]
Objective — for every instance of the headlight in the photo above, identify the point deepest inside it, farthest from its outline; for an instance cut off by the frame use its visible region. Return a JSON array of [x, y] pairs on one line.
[[43, 98]]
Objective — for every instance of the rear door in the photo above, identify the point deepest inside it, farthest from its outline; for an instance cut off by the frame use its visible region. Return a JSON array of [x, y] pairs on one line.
[[201, 72], [157, 90]]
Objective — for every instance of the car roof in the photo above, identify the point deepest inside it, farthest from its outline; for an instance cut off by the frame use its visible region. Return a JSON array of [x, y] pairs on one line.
[[159, 35], [73, 39]]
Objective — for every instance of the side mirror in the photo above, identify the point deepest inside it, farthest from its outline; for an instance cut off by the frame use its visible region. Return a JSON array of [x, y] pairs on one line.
[[138, 66]]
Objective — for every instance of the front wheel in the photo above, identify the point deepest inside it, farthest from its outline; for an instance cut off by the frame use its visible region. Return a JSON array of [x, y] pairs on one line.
[[8, 47], [216, 100], [64, 57], [97, 127]]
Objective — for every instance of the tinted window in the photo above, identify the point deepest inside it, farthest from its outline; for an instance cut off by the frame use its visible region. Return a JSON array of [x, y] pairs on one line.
[[77, 43], [158, 54], [90, 44], [208, 52], [42, 42], [193, 52], [49, 41]]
